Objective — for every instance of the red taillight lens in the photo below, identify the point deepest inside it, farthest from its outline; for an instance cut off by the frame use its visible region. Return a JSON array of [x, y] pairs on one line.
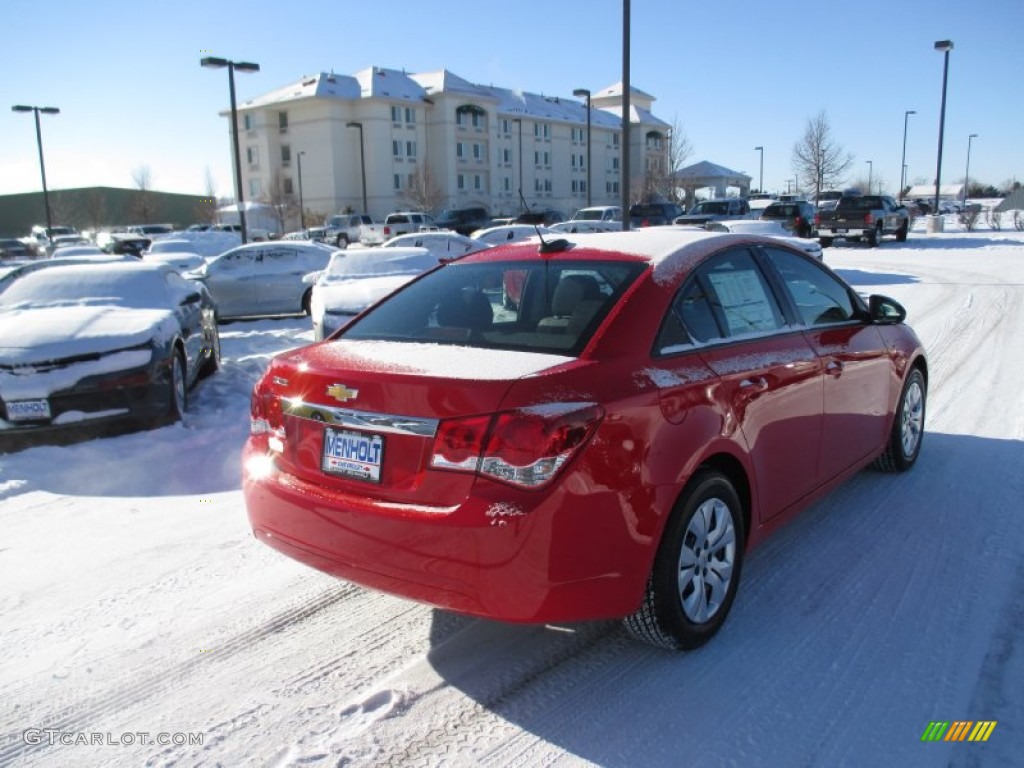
[[265, 415], [458, 443], [387, 230], [817, 219], [525, 448], [869, 219]]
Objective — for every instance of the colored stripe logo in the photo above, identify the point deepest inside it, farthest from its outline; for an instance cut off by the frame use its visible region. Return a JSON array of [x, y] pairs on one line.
[[959, 730]]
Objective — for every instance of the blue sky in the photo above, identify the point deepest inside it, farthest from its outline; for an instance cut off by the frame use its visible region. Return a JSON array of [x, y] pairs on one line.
[[127, 79]]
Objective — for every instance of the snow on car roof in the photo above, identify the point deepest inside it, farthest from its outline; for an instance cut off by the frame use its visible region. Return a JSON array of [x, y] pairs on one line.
[[131, 284], [373, 262]]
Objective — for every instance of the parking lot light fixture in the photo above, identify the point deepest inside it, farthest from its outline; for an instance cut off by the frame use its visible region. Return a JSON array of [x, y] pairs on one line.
[[945, 46], [578, 93], [213, 62], [362, 161], [760, 181], [39, 143], [967, 171], [903, 159]]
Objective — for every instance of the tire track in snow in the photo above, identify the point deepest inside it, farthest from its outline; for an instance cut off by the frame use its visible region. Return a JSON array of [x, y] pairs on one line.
[[79, 715]]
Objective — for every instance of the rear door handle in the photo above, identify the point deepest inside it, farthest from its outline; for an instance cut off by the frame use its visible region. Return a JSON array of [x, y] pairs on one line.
[[834, 368], [754, 384]]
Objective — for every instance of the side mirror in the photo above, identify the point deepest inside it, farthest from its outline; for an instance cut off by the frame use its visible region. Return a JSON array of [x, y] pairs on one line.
[[885, 311], [191, 298]]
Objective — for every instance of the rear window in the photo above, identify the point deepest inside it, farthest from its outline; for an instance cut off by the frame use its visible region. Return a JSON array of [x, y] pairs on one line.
[[781, 210], [545, 306]]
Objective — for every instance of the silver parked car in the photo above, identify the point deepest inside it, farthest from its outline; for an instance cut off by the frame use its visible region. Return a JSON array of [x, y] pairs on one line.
[[263, 278]]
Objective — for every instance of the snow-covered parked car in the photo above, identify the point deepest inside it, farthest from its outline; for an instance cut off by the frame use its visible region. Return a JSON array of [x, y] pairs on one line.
[[444, 244], [356, 279], [87, 347], [179, 253], [262, 279], [767, 228], [509, 233]]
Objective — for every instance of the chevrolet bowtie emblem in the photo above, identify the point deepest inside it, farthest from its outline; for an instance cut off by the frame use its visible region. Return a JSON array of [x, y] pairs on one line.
[[341, 393]]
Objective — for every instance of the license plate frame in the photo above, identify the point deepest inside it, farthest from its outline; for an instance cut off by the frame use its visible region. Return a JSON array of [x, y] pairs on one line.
[[840, 230], [28, 410], [352, 455]]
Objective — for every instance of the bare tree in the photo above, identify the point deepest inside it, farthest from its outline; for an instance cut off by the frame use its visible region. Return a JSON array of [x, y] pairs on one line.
[[658, 180], [818, 157], [206, 209], [281, 200], [143, 205], [95, 208], [423, 192]]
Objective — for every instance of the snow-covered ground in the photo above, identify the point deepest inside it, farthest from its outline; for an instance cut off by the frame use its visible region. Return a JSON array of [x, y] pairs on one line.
[[135, 605]]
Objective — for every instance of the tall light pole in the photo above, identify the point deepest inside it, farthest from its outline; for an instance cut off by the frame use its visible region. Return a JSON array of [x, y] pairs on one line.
[[519, 122], [760, 182], [945, 46], [362, 161], [213, 62], [967, 172], [625, 115], [903, 160], [578, 93], [39, 142], [871, 168], [302, 209]]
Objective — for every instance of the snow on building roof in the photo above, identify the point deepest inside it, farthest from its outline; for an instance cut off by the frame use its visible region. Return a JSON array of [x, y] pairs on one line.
[[705, 169], [385, 83], [927, 191], [615, 90]]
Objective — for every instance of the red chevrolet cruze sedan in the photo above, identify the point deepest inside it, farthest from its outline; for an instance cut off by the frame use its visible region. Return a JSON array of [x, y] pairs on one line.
[[607, 443]]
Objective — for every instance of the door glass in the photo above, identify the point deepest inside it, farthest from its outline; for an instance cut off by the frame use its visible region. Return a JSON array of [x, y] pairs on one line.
[[820, 299]]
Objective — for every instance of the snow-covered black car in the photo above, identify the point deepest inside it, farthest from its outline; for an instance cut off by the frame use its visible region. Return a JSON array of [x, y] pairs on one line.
[[85, 348]]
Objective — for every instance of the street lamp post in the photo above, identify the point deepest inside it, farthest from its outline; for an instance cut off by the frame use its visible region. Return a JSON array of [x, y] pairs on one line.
[[212, 62], [871, 168], [39, 142], [903, 160], [967, 172], [302, 208], [760, 181], [362, 161], [577, 93], [945, 46]]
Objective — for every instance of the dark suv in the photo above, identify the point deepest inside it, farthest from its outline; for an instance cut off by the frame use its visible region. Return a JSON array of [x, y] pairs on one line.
[[797, 216], [543, 218], [464, 220], [653, 214]]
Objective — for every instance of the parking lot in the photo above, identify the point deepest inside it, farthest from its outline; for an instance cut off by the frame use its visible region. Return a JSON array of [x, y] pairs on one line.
[[136, 601]]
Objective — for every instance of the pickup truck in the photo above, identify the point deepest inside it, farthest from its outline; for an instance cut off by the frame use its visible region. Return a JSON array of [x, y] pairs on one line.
[[345, 228], [715, 210], [867, 217], [399, 223]]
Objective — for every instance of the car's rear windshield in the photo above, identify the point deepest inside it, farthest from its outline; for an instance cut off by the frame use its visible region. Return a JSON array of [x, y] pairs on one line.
[[782, 210], [865, 203], [538, 306]]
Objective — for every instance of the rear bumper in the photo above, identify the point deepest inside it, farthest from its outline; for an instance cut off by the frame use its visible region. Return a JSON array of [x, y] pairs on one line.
[[564, 557]]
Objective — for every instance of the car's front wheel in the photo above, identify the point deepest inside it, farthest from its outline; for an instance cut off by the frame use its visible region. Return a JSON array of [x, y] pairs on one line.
[[697, 568], [212, 363], [901, 233], [907, 432]]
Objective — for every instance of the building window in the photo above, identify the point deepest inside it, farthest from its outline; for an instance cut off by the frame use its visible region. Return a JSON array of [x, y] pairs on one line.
[[461, 181], [282, 121], [286, 186], [249, 122], [396, 149], [506, 156], [252, 154], [615, 139], [506, 125], [410, 115], [507, 184], [547, 185], [536, 159], [583, 186], [286, 154], [460, 151], [255, 188], [615, 164], [541, 131], [547, 159], [478, 151], [470, 114], [582, 164], [575, 186], [396, 114], [410, 149], [573, 158], [478, 182]]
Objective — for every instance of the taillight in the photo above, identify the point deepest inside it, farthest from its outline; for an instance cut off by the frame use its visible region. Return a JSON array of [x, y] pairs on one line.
[[526, 448], [817, 219], [387, 230], [266, 420], [869, 219]]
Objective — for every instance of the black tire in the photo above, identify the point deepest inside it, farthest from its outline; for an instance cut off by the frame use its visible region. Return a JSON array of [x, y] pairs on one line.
[[212, 363], [177, 390], [825, 241], [901, 233], [683, 608], [907, 433], [874, 238]]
